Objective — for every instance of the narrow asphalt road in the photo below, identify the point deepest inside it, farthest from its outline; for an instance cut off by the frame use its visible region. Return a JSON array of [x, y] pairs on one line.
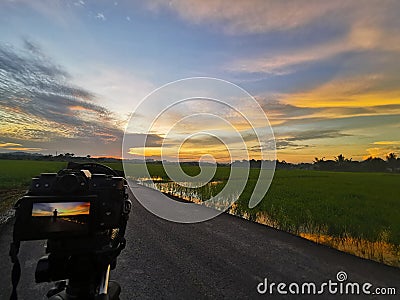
[[226, 257]]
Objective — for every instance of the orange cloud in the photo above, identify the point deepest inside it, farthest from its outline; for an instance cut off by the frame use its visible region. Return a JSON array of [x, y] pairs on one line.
[[359, 91], [7, 145], [77, 107], [387, 143], [375, 152], [24, 149]]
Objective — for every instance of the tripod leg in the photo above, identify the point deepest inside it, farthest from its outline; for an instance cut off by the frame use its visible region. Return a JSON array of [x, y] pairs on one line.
[[103, 287]]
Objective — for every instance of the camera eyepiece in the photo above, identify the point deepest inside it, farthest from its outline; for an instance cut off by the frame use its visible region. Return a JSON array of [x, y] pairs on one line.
[[69, 183]]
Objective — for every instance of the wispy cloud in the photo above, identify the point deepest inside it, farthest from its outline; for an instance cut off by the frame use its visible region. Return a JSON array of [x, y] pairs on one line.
[[280, 113], [387, 143], [100, 16], [8, 145], [118, 88], [79, 3], [359, 38], [358, 91], [297, 140], [254, 16], [40, 104]]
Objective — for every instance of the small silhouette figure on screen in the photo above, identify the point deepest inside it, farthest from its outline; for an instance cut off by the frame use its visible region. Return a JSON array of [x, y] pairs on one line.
[[55, 212]]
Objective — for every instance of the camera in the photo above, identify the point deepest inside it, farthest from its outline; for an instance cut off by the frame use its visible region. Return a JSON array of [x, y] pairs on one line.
[[73, 202], [82, 211]]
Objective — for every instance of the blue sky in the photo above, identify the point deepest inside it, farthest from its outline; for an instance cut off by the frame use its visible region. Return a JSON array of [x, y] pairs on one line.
[[326, 74]]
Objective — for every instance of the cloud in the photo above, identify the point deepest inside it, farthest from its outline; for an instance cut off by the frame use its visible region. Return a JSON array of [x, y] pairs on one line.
[[288, 61], [118, 88], [253, 16], [281, 113], [283, 144], [294, 139], [137, 140], [314, 134], [359, 38], [24, 149], [387, 143], [303, 33], [16, 147], [39, 103], [357, 91], [79, 3], [7, 145], [100, 16], [373, 152]]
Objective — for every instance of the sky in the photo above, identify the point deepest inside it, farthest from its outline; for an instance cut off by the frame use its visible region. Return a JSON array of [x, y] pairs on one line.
[[325, 73]]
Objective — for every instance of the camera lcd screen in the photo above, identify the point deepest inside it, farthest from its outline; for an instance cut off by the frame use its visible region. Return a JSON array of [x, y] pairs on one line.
[[54, 217]]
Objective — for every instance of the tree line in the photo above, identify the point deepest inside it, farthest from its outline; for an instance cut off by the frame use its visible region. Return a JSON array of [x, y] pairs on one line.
[[340, 163], [371, 164]]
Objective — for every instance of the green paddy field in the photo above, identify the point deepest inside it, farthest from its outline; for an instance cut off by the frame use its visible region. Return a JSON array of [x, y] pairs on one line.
[[334, 208]]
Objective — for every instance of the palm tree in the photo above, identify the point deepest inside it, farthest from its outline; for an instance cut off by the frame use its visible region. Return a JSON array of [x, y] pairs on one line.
[[317, 160], [340, 159], [391, 159]]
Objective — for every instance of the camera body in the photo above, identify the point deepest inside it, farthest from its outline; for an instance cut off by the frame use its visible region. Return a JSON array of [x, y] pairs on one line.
[[72, 203], [82, 211]]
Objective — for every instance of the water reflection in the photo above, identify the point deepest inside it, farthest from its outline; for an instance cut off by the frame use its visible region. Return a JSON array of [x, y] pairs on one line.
[[206, 194]]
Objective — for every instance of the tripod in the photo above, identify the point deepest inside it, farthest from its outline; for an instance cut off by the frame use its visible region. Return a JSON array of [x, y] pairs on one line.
[[88, 275], [107, 290]]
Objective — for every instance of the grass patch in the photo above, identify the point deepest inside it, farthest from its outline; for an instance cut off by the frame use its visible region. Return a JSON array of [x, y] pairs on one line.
[[358, 204]]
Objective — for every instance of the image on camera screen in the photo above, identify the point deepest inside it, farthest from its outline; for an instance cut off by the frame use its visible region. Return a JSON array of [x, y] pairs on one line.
[[61, 216]]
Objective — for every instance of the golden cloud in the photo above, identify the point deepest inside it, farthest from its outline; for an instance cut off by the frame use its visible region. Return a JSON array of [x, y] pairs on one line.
[[387, 143], [7, 145]]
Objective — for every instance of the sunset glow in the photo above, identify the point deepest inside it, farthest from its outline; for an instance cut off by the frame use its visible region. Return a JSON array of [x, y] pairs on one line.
[[326, 75]]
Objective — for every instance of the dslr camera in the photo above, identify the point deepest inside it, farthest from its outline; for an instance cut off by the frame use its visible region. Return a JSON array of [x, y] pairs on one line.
[[82, 211]]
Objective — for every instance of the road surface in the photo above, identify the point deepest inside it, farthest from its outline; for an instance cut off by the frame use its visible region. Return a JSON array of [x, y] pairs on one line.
[[226, 257]]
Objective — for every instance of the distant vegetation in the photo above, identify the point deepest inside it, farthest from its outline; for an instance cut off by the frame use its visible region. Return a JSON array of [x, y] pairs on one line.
[[340, 163], [371, 164]]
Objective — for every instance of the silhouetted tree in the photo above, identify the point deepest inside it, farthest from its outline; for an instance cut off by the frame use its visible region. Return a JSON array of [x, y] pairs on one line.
[[392, 161], [340, 158], [317, 160], [391, 157]]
